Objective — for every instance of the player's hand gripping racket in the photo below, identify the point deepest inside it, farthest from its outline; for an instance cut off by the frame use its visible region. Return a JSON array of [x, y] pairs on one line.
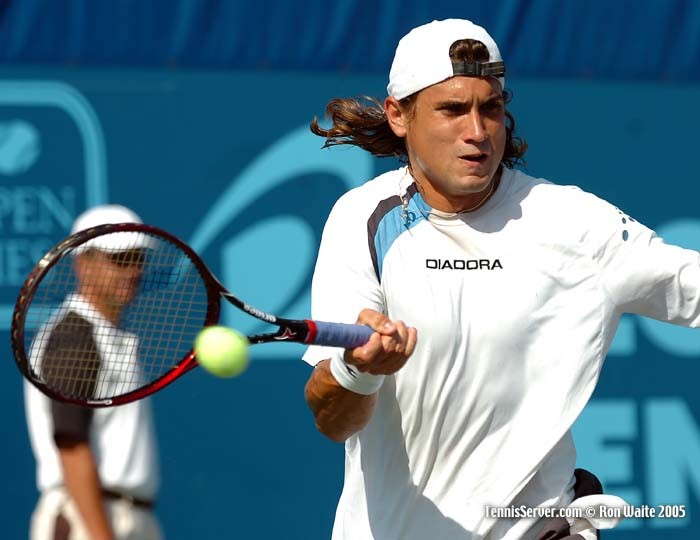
[[64, 337]]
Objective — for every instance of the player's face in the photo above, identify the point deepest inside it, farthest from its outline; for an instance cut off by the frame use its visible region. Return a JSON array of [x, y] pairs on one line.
[[455, 137], [111, 280]]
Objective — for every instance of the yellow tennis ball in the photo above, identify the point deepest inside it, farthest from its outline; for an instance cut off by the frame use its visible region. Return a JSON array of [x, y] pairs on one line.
[[222, 351]]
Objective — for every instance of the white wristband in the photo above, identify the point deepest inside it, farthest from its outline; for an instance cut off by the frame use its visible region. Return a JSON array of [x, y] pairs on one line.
[[351, 379]]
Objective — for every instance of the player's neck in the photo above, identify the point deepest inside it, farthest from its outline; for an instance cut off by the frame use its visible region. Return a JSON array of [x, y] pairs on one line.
[[110, 311]]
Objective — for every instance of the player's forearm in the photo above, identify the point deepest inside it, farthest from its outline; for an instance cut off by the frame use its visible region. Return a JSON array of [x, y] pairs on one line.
[[339, 413], [83, 484]]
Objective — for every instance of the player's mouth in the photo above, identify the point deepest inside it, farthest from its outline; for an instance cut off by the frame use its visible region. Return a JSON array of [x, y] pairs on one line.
[[475, 159]]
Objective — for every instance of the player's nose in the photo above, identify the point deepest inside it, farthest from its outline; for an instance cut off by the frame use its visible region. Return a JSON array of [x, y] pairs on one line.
[[473, 129]]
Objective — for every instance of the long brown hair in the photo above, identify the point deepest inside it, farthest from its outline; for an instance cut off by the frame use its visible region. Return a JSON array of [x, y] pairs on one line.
[[362, 121]]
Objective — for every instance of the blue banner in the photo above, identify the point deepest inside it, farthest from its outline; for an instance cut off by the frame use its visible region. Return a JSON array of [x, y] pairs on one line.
[[644, 40], [225, 160]]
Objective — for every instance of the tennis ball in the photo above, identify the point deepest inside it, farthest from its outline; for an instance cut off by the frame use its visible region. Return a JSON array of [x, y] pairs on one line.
[[222, 351]]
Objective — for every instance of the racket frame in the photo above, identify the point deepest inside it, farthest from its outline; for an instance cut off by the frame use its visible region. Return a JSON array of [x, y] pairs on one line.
[[301, 331]]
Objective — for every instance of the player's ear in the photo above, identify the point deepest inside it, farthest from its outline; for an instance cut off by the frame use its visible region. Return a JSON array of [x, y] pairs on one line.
[[396, 116]]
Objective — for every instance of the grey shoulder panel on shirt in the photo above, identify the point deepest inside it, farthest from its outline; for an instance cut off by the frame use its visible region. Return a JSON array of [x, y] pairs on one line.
[[70, 364]]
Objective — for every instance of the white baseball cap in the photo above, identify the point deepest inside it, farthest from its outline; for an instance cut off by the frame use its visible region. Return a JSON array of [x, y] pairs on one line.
[[114, 242], [422, 57]]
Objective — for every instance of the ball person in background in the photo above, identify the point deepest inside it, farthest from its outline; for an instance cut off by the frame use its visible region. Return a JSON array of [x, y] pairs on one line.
[[511, 289], [97, 469]]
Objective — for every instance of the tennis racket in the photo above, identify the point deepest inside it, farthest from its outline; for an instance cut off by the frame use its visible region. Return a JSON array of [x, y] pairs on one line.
[[110, 314]]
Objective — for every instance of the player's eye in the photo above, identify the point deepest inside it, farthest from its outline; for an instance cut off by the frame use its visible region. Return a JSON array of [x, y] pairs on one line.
[[493, 106], [125, 259], [453, 109]]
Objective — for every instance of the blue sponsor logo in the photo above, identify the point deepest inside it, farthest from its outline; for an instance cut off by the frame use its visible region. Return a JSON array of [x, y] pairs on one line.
[[265, 228], [52, 166]]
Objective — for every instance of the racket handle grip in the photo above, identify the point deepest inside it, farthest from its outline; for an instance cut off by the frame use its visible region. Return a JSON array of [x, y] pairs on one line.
[[343, 335]]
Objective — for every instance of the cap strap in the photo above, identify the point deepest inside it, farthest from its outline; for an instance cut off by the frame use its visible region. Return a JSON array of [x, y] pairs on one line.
[[479, 69]]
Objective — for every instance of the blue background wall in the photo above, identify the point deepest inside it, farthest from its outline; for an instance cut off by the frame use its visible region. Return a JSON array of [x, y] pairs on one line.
[[195, 114]]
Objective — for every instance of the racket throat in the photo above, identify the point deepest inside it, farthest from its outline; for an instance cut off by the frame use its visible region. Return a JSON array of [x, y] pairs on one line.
[[298, 333]]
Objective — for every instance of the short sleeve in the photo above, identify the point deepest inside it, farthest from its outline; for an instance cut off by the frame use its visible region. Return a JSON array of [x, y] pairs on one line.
[[344, 281], [70, 423]]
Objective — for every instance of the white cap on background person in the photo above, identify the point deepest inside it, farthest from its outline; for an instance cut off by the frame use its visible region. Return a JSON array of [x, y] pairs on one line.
[[115, 242], [422, 57]]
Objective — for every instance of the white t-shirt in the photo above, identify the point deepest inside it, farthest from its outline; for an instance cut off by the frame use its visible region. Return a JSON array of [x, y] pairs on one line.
[[516, 305], [122, 438]]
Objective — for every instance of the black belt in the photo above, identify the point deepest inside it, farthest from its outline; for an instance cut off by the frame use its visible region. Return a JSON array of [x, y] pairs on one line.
[[142, 503]]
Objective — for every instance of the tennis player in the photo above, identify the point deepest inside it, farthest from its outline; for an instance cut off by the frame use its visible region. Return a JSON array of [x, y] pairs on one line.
[[97, 469], [511, 287]]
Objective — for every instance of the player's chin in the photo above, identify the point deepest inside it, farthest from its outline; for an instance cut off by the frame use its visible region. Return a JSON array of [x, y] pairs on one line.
[[474, 183], [476, 180], [466, 170]]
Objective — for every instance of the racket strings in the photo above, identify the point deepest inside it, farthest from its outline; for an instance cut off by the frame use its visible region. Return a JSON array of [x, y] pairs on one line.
[[105, 322]]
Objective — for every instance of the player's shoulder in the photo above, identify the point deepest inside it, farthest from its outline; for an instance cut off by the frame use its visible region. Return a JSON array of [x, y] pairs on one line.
[[571, 215], [550, 198], [361, 201]]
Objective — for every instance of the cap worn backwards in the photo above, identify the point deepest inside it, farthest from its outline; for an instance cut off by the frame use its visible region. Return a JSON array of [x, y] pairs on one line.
[[422, 57], [114, 242]]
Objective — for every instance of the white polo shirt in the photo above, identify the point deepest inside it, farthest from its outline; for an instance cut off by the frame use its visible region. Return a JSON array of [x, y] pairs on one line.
[[516, 305], [122, 438]]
